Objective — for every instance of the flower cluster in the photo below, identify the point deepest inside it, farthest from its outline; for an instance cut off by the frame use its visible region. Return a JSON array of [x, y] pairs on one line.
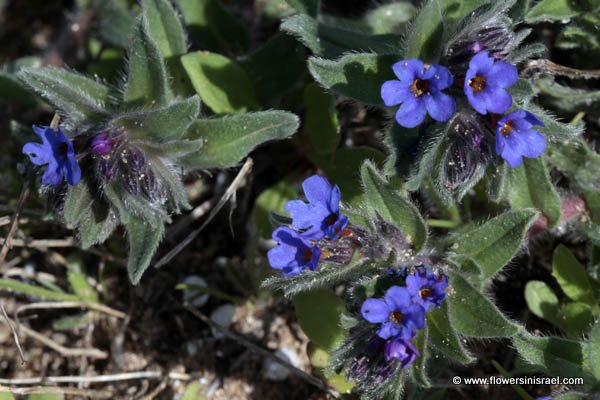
[[419, 91], [401, 313], [313, 222]]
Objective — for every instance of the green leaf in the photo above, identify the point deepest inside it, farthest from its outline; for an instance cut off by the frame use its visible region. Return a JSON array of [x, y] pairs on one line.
[[390, 18], [321, 124], [147, 82], [164, 27], [143, 241], [576, 160], [13, 91], [343, 168], [115, 22], [554, 10], [542, 301], [555, 356], [162, 124], [331, 42], [79, 97], [530, 187], [444, 338], [575, 319], [6, 396], [212, 26], [420, 369], [553, 129], [495, 243], [594, 350], [568, 98], [194, 391], [78, 281], [36, 291], [96, 224], [229, 139], [221, 83], [572, 278], [358, 76], [310, 7], [46, 396], [268, 78], [455, 10], [272, 200], [424, 40], [318, 313], [472, 314], [384, 200]]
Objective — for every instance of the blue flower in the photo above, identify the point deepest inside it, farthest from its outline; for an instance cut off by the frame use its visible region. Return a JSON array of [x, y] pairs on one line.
[[515, 138], [398, 316], [419, 90], [402, 350], [486, 82], [321, 215], [294, 253], [426, 288], [56, 151]]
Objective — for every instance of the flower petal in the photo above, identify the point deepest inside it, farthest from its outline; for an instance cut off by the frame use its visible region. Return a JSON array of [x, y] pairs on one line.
[[38, 153], [502, 74], [476, 100], [334, 199], [441, 106], [408, 70], [442, 78], [53, 175], [511, 152], [535, 143], [73, 170], [305, 215], [317, 189], [397, 298], [394, 93], [497, 100], [481, 63], [375, 310], [281, 256], [389, 329], [411, 113]]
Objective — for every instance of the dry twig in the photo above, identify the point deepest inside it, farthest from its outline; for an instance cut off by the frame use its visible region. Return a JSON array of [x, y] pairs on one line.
[[229, 193], [93, 394], [126, 376], [15, 334], [263, 352]]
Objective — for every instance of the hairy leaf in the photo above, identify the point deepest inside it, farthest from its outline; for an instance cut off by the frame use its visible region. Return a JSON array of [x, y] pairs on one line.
[[358, 76], [143, 240], [542, 301], [472, 314], [443, 337], [530, 187], [424, 40], [495, 243], [162, 124], [147, 82], [79, 97], [572, 278], [229, 139], [384, 200], [220, 82]]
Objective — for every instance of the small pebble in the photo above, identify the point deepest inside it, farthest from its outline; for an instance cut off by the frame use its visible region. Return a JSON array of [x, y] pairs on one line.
[[196, 298], [274, 371], [223, 316]]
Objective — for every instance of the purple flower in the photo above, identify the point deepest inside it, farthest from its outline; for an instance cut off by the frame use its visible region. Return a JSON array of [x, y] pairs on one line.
[[402, 350], [486, 82], [544, 398], [426, 288], [321, 215], [419, 90], [515, 138], [101, 144], [56, 151], [399, 317], [294, 253]]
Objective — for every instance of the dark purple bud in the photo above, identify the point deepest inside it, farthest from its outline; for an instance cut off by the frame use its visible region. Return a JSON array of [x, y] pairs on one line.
[[102, 144], [401, 350]]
